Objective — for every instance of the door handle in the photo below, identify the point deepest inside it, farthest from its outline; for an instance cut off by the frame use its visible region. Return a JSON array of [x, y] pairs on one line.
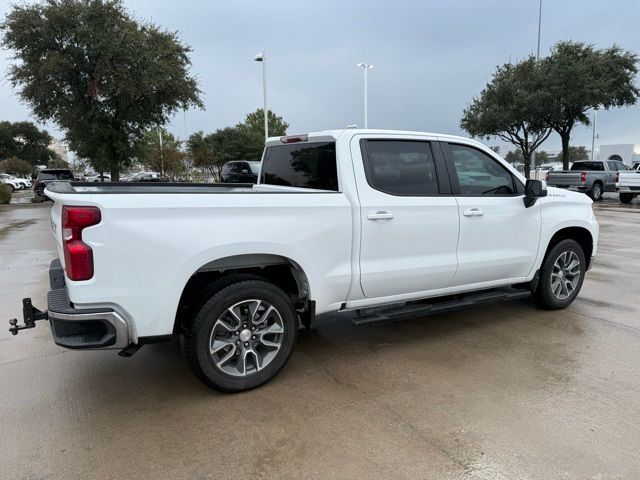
[[380, 216], [474, 212]]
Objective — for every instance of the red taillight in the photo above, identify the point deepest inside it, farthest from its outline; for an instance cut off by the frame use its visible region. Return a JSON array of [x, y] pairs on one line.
[[583, 177], [78, 256], [617, 177]]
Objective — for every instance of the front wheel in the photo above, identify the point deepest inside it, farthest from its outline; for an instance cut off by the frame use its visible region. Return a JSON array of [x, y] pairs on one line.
[[596, 192], [242, 336], [626, 197], [561, 275]]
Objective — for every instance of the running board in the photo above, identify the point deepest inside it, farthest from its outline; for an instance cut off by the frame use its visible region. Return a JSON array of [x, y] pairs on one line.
[[436, 305]]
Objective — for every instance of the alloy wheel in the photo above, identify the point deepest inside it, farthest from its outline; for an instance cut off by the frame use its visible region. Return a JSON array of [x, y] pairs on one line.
[[565, 275], [246, 337]]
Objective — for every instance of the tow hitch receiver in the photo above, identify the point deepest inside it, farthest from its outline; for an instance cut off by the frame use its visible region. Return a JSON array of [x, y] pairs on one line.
[[30, 315]]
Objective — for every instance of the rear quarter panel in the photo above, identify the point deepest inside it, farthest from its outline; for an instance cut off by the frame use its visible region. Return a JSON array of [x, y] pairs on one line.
[[147, 246]]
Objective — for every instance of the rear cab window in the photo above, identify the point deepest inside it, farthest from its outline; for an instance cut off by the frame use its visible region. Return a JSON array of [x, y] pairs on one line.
[[55, 175], [303, 165], [593, 166]]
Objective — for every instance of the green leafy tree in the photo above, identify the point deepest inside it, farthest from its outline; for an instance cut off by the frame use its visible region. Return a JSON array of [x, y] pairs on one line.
[[166, 158], [58, 162], [578, 153], [15, 166], [510, 108], [212, 151], [25, 141], [252, 131], [542, 157], [102, 76], [202, 152], [514, 156], [579, 77]]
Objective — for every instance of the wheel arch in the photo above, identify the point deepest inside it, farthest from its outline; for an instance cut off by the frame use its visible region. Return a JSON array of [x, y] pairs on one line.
[[282, 271], [579, 234]]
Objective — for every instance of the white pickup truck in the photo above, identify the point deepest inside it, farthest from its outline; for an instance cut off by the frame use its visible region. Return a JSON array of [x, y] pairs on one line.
[[629, 184], [382, 224]]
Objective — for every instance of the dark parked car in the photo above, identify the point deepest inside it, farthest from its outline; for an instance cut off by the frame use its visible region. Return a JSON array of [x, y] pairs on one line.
[[240, 171], [49, 175]]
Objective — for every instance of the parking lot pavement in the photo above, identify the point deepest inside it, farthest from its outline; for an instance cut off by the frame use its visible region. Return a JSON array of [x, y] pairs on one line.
[[495, 392]]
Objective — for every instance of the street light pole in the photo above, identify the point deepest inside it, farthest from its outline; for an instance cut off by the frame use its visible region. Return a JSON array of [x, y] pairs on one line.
[[533, 154], [365, 67], [539, 28], [593, 135], [262, 57]]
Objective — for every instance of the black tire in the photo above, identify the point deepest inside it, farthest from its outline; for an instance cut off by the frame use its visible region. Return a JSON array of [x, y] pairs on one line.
[[544, 294], [198, 337], [596, 192], [626, 197]]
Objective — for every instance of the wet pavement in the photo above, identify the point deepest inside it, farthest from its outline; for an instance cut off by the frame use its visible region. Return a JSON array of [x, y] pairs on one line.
[[497, 392]]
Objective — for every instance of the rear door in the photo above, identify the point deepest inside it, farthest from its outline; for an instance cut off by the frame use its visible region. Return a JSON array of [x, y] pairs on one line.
[[409, 220], [499, 236]]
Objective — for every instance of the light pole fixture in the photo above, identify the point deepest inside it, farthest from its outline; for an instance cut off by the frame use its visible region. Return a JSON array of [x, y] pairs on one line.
[[365, 67], [262, 57]]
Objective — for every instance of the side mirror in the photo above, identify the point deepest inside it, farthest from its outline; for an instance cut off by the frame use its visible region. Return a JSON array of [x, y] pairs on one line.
[[245, 171], [533, 190]]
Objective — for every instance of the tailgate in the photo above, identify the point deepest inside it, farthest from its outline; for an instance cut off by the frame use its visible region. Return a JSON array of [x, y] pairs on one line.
[[630, 179], [563, 179]]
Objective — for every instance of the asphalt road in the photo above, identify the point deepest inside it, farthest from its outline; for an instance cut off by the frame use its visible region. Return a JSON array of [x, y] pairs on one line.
[[496, 392]]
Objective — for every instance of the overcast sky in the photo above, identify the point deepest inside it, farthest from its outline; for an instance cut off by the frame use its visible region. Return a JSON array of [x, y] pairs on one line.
[[430, 57]]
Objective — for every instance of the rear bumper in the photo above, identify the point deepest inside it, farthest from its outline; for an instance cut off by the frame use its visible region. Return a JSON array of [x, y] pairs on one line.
[[76, 328]]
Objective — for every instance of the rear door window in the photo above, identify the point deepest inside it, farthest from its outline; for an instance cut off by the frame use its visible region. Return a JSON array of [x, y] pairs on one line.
[[401, 167], [304, 165]]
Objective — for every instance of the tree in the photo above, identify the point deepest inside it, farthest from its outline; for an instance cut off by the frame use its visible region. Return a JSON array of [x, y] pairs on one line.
[[578, 153], [167, 159], [58, 163], [510, 108], [495, 148], [212, 151], [514, 156], [16, 166], [579, 78], [25, 141], [252, 131], [102, 76], [542, 157]]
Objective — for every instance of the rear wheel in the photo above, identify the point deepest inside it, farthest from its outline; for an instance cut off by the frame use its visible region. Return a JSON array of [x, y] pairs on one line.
[[596, 192], [242, 336], [626, 197], [561, 275]]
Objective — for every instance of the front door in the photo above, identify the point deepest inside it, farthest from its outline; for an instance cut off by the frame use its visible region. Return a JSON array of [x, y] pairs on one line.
[[409, 221], [499, 236]]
